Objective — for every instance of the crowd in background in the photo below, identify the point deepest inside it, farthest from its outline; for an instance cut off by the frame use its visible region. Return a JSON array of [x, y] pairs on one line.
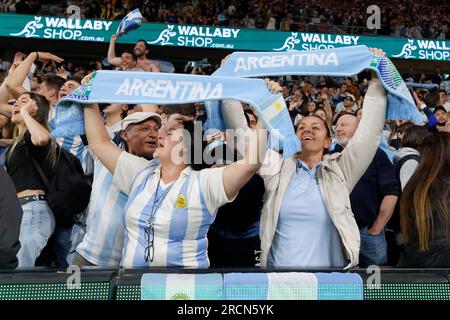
[[406, 18], [350, 197], [241, 235]]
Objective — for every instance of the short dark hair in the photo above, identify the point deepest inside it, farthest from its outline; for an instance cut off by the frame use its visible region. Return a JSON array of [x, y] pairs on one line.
[[439, 108], [53, 81], [413, 136], [74, 78], [38, 78], [134, 57], [147, 46], [186, 109]]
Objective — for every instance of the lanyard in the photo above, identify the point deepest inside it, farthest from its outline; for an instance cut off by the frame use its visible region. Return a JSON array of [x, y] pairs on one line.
[[157, 201]]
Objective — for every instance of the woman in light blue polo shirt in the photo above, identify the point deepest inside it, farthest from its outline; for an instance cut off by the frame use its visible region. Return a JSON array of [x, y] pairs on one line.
[[307, 220]]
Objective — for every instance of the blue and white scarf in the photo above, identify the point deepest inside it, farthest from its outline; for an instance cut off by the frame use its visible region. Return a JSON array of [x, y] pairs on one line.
[[345, 61], [132, 87], [131, 21]]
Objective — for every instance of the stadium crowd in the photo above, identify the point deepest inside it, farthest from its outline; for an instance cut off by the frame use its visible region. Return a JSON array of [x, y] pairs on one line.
[[362, 191], [425, 19]]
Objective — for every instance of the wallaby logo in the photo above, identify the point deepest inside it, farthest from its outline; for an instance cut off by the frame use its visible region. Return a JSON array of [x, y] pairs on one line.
[[407, 50], [164, 36], [290, 43], [30, 29]]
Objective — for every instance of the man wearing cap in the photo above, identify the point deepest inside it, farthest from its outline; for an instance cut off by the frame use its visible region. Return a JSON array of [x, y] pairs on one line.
[[354, 90], [103, 243], [347, 106]]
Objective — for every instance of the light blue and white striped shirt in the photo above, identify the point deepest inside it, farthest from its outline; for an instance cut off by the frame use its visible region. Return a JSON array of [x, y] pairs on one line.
[[181, 221], [74, 145], [102, 244]]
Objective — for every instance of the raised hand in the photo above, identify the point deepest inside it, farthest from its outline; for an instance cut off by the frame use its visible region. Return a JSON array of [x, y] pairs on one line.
[[46, 56], [378, 51], [30, 107], [62, 73], [86, 79], [18, 58], [273, 86]]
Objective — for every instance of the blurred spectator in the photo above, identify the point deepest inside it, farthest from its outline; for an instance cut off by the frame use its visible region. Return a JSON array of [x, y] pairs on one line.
[[10, 220], [437, 77], [127, 60], [373, 198], [424, 207], [141, 50], [443, 100], [28, 6]]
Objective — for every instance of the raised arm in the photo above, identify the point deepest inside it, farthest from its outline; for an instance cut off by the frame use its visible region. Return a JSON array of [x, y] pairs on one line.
[[16, 78], [236, 175], [361, 149], [39, 134], [5, 108], [99, 141], [112, 52]]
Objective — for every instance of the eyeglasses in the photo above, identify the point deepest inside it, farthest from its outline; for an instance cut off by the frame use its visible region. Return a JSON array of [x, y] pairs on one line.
[[150, 228], [149, 237]]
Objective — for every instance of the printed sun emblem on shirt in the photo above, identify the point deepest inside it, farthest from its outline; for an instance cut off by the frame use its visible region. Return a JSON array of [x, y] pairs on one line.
[[180, 296], [181, 202]]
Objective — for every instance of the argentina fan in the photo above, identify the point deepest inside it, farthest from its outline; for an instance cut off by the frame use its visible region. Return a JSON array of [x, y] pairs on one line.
[[240, 152]]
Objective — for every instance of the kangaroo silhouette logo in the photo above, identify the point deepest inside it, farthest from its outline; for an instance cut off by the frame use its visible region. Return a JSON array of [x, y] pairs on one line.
[[164, 36], [407, 50], [290, 43], [30, 29]]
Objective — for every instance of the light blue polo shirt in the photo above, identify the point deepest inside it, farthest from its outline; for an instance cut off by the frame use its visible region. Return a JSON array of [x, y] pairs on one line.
[[305, 235]]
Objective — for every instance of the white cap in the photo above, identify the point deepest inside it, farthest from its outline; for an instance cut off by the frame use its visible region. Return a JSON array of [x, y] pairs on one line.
[[349, 95], [138, 117]]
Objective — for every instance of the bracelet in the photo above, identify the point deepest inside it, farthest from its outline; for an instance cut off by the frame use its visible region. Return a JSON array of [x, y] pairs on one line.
[[37, 55]]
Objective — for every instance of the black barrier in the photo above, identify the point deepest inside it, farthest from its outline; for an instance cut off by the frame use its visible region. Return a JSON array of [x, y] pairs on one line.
[[50, 284], [92, 283]]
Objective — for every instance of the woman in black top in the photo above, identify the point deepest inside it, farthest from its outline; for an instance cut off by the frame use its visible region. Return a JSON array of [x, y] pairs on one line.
[[424, 207], [32, 143]]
